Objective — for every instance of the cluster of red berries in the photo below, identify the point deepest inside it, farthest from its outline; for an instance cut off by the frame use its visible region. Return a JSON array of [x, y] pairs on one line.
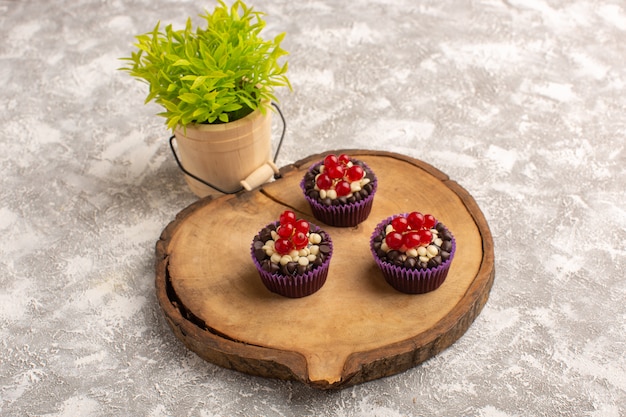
[[292, 233], [410, 231], [338, 175]]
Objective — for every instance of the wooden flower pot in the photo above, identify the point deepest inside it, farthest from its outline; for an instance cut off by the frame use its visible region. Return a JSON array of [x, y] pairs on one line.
[[224, 155]]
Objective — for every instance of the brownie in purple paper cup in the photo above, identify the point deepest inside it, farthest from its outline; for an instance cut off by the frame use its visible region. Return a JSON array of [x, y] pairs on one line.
[[413, 251], [340, 190], [292, 256]]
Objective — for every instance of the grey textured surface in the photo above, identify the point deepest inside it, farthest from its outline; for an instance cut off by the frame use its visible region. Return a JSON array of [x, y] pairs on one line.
[[523, 102]]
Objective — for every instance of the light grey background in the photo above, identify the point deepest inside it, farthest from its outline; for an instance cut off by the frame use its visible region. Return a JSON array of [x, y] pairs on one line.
[[523, 102]]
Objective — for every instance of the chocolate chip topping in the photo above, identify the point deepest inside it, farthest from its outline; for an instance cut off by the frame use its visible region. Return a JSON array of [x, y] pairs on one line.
[[290, 268], [363, 193], [401, 259]]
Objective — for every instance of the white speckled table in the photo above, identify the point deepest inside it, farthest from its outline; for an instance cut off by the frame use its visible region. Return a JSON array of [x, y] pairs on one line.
[[522, 102]]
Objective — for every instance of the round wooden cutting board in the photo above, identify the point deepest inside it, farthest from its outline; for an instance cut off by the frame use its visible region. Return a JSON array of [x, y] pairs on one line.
[[356, 328]]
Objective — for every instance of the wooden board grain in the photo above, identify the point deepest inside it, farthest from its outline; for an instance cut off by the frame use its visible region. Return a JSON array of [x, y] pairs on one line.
[[356, 328]]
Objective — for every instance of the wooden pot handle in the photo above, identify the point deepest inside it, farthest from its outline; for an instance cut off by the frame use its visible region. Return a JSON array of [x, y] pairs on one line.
[[261, 175]]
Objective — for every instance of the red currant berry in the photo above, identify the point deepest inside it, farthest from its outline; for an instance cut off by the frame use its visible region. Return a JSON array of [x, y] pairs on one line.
[[287, 216], [429, 221], [425, 237], [324, 182], [411, 239], [335, 172], [283, 246], [302, 226], [331, 161], [285, 230], [355, 173], [400, 224], [394, 240], [343, 188], [300, 240], [416, 220], [344, 159]]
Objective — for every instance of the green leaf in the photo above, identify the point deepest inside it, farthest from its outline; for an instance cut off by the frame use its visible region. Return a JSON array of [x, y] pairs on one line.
[[200, 113], [246, 101], [169, 105], [173, 122], [210, 96], [231, 107], [181, 62], [198, 81], [279, 38], [189, 98]]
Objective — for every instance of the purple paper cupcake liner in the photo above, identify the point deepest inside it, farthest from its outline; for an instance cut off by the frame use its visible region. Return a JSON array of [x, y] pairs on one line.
[[295, 286], [411, 281], [347, 215]]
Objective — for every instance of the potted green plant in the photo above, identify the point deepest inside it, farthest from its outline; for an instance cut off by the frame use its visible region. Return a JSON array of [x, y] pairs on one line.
[[216, 85]]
